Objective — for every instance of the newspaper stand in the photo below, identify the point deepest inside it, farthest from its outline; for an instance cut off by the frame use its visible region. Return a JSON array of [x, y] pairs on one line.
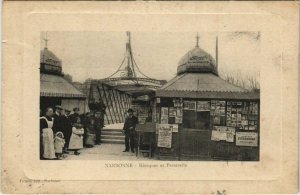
[[146, 138]]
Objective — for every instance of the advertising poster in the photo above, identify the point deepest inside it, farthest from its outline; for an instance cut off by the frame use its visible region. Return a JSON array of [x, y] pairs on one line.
[[164, 136], [173, 127], [246, 139], [223, 133], [203, 106], [179, 112], [164, 111], [172, 112], [178, 119], [164, 120], [189, 105]]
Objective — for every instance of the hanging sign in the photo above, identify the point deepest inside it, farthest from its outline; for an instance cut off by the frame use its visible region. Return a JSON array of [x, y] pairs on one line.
[[246, 139], [165, 136]]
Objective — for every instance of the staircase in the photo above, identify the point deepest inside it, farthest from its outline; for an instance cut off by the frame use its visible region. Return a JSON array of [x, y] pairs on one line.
[[112, 136]]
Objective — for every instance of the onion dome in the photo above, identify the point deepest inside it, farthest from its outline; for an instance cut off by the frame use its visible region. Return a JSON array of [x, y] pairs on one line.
[[49, 62], [197, 61]]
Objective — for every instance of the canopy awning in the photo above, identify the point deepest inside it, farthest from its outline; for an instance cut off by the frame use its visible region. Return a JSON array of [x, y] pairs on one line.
[[203, 85], [57, 86]]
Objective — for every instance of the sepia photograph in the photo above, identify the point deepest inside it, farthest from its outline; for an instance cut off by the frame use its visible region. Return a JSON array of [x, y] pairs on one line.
[[150, 96]]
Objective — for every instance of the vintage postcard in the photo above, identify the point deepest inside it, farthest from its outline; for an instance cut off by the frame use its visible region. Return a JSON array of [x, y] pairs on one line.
[[150, 97]]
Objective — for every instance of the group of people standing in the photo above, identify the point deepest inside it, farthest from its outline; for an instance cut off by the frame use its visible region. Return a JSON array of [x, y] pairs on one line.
[[62, 132]]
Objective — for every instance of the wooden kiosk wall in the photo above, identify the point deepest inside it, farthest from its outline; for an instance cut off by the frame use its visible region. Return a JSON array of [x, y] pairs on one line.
[[193, 143]]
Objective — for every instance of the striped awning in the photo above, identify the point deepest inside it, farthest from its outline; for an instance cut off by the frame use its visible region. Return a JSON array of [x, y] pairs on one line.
[[57, 86]]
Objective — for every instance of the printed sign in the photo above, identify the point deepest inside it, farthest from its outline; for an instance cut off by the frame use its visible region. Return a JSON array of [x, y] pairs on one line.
[[172, 112], [179, 112], [189, 105], [203, 106], [165, 136], [223, 133], [164, 111], [158, 100], [178, 119], [173, 127], [246, 139], [164, 120]]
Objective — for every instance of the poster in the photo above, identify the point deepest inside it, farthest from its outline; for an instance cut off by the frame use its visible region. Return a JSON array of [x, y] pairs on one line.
[[179, 112], [172, 112], [246, 139], [244, 122], [218, 135], [164, 136], [189, 105], [158, 100], [203, 106], [164, 120], [223, 133], [173, 127], [178, 119], [164, 111], [177, 102]]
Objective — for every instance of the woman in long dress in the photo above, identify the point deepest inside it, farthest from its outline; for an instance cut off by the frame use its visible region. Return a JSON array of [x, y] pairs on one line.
[[76, 141], [47, 139], [90, 132]]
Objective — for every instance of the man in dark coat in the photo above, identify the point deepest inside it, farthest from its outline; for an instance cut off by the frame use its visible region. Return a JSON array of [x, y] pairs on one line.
[[66, 128], [75, 115], [98, 126], [129, 130], [57, 123]]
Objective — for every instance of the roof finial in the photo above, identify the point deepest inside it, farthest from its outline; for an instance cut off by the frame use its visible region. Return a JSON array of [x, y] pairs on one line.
[[128, 35], [46, 41], [197, 40]]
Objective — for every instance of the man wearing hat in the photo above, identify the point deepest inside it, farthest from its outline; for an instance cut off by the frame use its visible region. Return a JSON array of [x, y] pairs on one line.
[[57, 123], [129, 130]]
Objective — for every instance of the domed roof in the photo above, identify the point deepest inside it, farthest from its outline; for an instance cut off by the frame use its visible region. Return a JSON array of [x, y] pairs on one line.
[[49, 58], [197, 60]]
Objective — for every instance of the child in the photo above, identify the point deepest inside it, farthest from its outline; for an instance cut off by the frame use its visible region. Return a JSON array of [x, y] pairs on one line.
[[76, 141], [59, 143]]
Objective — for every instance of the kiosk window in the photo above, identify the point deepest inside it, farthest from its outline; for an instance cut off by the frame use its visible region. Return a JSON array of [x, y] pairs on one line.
[[189, 118], [196, 115]]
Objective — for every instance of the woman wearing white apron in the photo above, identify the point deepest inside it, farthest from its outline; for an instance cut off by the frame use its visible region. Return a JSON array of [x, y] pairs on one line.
[[46, 124]]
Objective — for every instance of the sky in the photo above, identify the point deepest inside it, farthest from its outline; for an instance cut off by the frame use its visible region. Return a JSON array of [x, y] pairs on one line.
[[97, 55]]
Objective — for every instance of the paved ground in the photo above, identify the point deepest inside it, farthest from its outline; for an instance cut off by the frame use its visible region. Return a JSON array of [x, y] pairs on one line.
[[105, 152]]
